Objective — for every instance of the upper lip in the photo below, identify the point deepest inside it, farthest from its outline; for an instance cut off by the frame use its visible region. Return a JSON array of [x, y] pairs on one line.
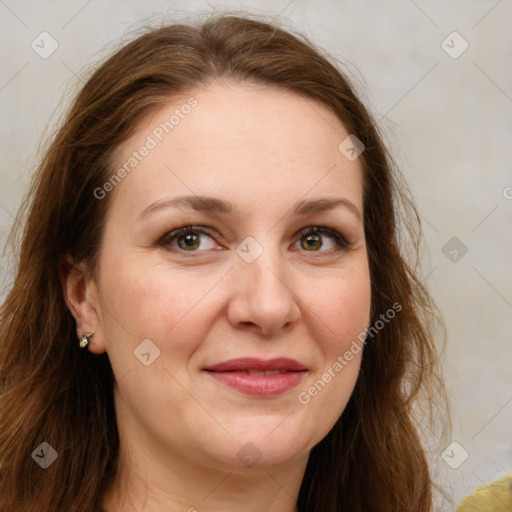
[[251, 363]]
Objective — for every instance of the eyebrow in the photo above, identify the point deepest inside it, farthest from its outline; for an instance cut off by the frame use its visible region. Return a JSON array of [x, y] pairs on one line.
[[220, 206]]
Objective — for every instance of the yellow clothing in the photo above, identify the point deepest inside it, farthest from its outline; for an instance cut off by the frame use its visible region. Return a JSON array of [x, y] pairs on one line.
[[497, 497]]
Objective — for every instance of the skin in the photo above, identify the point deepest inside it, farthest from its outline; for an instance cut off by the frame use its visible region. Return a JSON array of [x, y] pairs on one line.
[[263, 150]]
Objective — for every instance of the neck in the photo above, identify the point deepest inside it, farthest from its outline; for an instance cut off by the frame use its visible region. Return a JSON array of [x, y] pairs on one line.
[[145, 484]]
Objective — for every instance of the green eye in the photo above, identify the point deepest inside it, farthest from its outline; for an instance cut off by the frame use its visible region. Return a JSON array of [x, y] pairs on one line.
[[187, 238], [190, 241], [311, 239], [194, 239], [311, 242]]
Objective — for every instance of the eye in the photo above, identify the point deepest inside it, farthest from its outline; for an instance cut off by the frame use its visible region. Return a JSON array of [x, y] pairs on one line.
[[311, 239], [187, 238], [196, 239]]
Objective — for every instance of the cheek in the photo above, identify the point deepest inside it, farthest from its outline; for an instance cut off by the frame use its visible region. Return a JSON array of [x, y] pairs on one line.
[[341, 313], [163, 306], [342, 307], [152, 303]]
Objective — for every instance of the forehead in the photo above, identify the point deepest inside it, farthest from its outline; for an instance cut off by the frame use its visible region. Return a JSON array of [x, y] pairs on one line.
[[248, 141]]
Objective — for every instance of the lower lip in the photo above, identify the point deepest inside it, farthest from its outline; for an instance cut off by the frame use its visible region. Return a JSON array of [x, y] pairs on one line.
[[259, 385]]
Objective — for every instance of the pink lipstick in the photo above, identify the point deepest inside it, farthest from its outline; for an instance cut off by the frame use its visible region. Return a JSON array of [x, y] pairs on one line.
[[259, 377]]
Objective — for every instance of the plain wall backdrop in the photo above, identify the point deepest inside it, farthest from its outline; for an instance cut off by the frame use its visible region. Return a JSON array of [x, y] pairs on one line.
[[435, 74]]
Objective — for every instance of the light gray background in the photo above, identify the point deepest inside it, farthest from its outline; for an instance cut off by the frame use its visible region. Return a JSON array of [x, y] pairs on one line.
[[448, 122]]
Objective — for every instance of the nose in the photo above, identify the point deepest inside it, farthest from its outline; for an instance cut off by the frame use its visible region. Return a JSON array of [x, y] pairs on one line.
[[263, 299]]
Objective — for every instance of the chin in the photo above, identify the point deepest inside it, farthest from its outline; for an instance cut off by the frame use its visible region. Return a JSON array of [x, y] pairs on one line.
[[272, 444]]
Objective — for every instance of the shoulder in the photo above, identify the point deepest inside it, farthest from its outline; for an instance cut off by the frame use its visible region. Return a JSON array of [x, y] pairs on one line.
[[496, 497]]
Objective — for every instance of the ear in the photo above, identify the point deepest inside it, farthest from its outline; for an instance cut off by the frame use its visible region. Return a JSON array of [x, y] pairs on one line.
[[80, 294]]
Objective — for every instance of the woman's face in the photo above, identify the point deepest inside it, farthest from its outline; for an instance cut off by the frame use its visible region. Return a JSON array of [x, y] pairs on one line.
[[224, 338]]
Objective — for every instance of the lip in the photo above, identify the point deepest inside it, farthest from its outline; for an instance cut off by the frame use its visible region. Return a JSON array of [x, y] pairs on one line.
[[247, 376]]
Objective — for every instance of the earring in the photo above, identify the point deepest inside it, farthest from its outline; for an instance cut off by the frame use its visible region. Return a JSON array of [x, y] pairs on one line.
[[85, 339]]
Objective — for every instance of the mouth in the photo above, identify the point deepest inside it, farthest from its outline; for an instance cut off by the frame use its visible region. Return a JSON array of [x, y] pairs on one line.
[[258, 377], [259, 372], [252, 364]]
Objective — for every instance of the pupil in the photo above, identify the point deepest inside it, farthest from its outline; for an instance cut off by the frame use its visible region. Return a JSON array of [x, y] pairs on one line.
[[190, 241], [313, 241]]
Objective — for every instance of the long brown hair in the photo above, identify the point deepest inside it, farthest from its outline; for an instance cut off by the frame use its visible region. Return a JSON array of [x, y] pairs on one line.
[[51, 391]]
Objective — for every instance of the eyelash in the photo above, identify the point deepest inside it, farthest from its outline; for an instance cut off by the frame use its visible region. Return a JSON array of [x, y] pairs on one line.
[[341, 242]]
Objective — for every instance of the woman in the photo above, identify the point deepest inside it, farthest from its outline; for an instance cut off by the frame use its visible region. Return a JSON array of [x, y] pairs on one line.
[[211, 309]]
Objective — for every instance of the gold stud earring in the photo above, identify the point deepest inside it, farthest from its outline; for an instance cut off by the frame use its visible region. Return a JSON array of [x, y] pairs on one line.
[[85, 339]]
